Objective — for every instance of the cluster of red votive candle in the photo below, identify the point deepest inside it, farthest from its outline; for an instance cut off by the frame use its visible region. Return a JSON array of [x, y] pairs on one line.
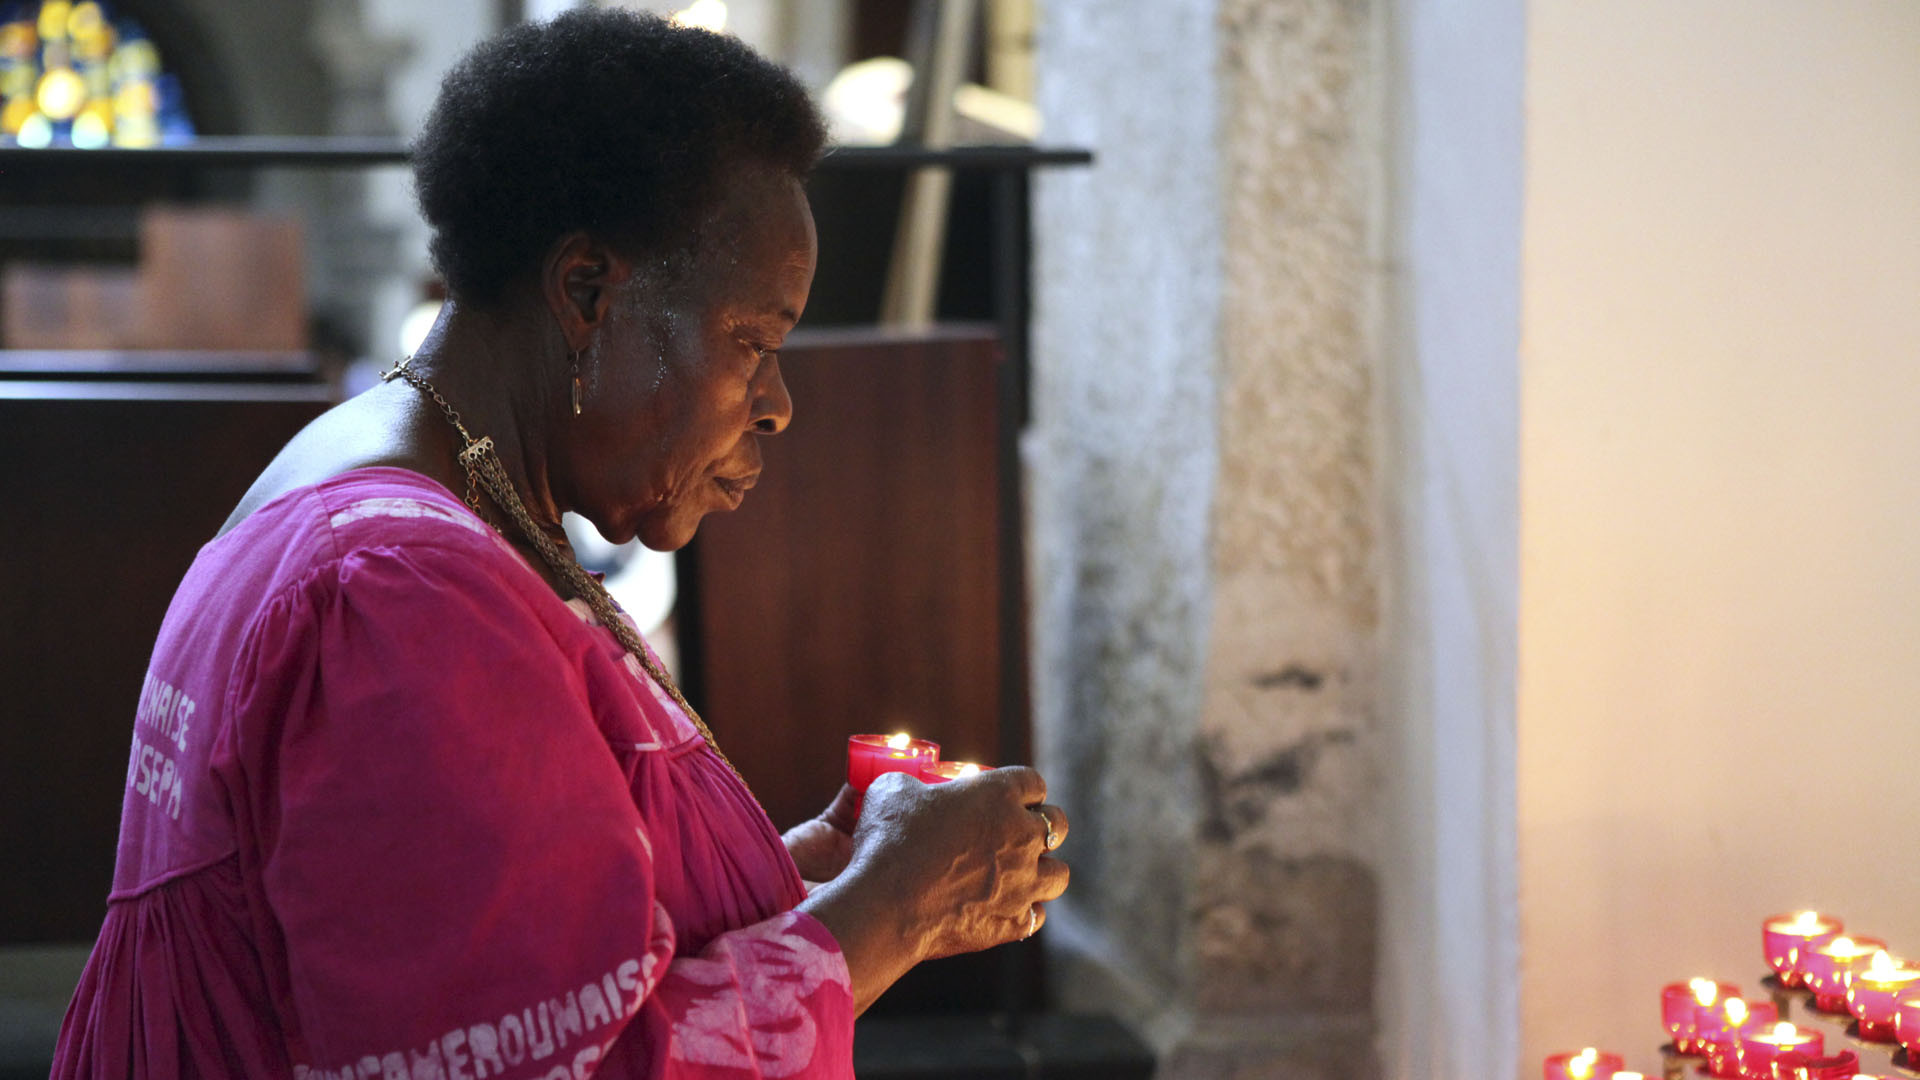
[[868, 756], [1848, 975], [1747, 1040]]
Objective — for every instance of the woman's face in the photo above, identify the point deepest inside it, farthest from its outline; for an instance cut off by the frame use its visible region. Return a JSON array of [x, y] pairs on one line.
[[682, 377]]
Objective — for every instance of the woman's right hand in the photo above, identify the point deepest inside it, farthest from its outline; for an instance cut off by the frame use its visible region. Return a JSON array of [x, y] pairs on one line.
[[942, 869], [970, 856]]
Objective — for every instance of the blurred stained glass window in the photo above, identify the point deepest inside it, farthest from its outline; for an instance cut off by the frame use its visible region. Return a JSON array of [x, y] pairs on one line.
[[75, 74]]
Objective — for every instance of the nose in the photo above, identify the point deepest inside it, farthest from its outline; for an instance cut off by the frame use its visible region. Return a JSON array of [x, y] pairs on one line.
[[772, 407]]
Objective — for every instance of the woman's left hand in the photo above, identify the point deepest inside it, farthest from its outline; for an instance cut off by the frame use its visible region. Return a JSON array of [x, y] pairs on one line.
[[823, 846]]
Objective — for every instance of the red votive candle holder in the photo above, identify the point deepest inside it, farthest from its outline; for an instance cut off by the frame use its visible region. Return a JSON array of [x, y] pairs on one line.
[[1588, 1064], [1758, 1049], [1871, 991], [1792, 1065], [1906, 1022], [870, 755], [1829, 967], [939, 772], [1681, 1005], [1786, 938], [1733, 1018]]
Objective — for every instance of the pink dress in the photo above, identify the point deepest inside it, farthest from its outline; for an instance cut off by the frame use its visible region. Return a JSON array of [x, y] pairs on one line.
[[396, 811]]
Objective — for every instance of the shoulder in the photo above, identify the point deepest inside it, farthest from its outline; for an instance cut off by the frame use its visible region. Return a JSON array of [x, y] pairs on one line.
[[416, 602], [368, 429], [393, 528], [374, 540]]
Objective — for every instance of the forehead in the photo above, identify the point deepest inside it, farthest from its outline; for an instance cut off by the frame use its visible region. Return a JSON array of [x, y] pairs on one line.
[[759, 234]]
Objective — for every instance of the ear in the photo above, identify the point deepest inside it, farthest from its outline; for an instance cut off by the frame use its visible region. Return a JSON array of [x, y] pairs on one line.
[[577, 280]]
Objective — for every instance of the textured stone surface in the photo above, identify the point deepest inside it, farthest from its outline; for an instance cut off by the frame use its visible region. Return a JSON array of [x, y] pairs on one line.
[[1274, 935], [1297, 504], [1205, 501], [1121, 459]]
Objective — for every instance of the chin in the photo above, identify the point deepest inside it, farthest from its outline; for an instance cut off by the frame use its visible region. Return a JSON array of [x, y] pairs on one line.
[[668, 533]]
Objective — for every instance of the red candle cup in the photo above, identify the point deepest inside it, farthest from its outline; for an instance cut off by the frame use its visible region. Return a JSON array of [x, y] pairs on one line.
[[1871, 991], [870, 755], [1588, 1064], [1734, 1018], [1792, 1065], [1759, 1049], [939, 772], [1906, 1022], [1676, 1013], [1681, 1005], [1786, 939], [1829, 967]]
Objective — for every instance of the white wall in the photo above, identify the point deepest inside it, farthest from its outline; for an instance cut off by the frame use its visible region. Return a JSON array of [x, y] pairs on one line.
[[1720, 583], [1448, 989]]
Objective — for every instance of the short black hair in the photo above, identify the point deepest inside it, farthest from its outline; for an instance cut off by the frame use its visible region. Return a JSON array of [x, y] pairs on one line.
[[605, 120]]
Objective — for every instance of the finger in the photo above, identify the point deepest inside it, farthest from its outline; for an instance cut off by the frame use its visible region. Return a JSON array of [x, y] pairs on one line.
[[1055, 832], [1026, 783], [844, 812], [892, 781], [1053, 875], [1036, 919], [1027, 923]]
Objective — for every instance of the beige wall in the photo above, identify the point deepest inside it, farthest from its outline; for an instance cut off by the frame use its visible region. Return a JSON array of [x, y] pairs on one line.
[[1720, 495]]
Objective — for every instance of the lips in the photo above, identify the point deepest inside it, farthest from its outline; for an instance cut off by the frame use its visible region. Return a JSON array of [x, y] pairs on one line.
[[735, 487]]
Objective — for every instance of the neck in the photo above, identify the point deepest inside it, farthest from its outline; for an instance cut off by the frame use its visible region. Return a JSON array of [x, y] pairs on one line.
[[499, 374]]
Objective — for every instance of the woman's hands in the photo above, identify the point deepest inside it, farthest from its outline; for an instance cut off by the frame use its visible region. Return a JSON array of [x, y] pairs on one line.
[[969, 856], [823, 846], [942, 869]]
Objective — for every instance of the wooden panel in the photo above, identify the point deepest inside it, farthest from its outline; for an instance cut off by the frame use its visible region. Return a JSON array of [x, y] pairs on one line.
[[858, 588], [206, 279], [109, 490]]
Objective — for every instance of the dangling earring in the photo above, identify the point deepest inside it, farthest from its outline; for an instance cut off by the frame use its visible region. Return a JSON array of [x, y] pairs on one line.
[[576, 382]]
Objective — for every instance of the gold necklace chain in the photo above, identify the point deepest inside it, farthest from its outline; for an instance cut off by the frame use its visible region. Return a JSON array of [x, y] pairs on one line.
[[484, 468]]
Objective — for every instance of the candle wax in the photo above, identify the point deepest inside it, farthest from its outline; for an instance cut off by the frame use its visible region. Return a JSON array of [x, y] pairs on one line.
[[1870, 998], [1583, 1065], [1785, 940], [868, 756]]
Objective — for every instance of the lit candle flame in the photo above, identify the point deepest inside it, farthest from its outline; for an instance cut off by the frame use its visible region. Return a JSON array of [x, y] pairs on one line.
[[1736, 1010], [1705, 991], [969, 769], [1807, 922], [1883, 966], [1784, 1032], [900, 741], [1581, 1067], [1841, 946]]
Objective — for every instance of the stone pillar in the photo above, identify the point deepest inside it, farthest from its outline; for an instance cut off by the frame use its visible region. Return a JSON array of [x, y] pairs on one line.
[[1205, 497]]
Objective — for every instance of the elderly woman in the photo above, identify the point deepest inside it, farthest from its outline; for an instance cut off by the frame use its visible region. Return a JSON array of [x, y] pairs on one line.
[[409, 796]]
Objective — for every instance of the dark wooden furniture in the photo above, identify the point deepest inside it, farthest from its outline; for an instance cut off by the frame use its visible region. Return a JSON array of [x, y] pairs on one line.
[[857, 589], [107, 490], [872, 582]]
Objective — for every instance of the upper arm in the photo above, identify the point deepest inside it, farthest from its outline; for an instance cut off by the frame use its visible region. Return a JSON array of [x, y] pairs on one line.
[[446, 843]]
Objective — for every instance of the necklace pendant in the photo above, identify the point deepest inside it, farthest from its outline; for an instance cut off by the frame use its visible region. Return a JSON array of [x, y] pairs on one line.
[[476, 451]]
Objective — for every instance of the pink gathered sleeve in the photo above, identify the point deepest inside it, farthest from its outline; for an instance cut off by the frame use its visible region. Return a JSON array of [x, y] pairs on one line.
[[451, 859]]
